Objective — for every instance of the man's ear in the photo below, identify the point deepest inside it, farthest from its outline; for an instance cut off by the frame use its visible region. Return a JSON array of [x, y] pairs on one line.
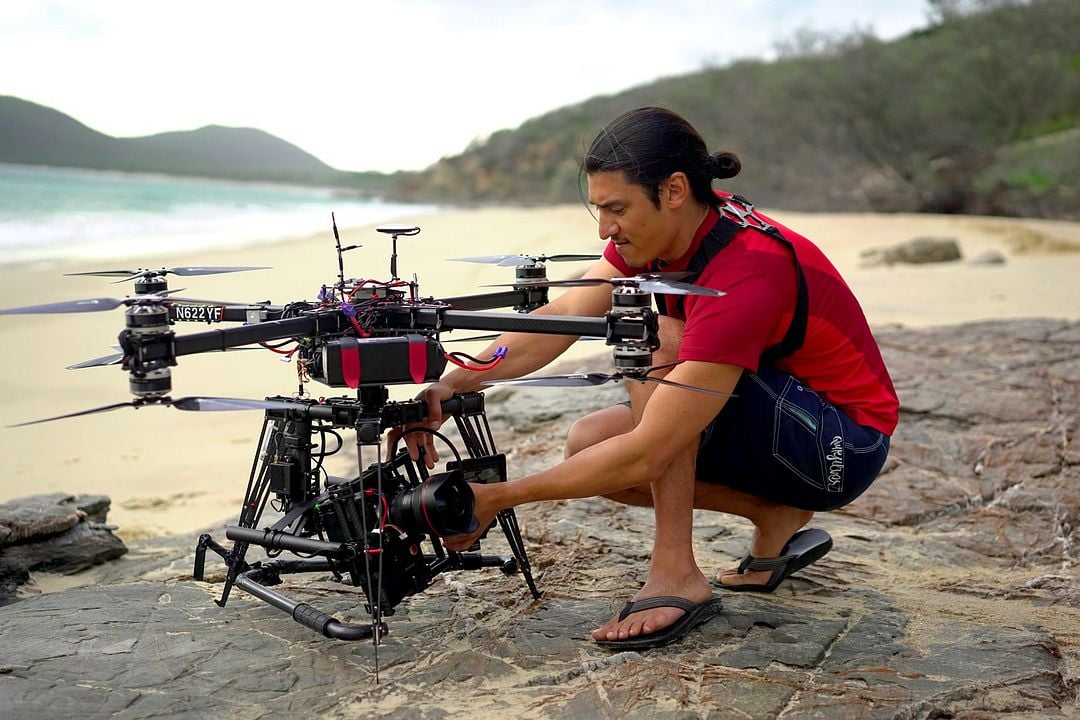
[[675, 191]]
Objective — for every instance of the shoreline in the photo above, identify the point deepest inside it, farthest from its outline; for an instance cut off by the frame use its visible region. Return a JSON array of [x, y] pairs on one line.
[[174, 472]]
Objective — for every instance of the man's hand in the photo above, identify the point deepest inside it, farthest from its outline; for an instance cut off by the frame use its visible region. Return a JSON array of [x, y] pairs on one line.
[[484, 510], [433, 395]]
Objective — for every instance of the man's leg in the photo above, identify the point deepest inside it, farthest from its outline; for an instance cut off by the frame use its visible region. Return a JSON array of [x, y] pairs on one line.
[[672, 569], [597, 427], [774, 524]]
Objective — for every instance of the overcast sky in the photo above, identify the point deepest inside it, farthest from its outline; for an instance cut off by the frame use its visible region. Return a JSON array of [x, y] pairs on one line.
[[387, 85]]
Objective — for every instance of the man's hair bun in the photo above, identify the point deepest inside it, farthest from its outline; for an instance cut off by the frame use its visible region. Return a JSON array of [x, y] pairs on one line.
[[725, 165]]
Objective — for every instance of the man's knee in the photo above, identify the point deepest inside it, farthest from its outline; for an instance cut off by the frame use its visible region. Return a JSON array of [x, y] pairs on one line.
[[597, 427]]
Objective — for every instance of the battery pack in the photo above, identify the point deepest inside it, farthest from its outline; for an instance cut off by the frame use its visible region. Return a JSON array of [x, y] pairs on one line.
[[359, 362]]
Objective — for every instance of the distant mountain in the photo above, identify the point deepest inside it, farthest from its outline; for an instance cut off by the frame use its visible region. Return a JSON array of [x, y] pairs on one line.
[[33, 134]]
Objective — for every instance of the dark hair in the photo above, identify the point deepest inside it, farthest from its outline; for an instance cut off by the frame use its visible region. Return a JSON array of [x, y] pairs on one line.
[[649, 144]]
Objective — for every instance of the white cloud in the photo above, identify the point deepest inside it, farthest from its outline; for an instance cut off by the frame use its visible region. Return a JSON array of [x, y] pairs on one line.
[[380, 85]]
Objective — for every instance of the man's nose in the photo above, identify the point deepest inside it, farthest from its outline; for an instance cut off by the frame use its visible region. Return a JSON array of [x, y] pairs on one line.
[[607, 228]]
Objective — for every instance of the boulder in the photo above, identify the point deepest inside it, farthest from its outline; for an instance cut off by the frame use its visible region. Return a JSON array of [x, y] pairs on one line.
[[55, 533], [917, 251]]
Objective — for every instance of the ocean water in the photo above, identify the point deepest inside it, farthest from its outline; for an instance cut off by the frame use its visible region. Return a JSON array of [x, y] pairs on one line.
[[56, 213]]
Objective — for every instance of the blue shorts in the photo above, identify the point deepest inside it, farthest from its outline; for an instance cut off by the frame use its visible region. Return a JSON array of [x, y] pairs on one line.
[[778, 439]]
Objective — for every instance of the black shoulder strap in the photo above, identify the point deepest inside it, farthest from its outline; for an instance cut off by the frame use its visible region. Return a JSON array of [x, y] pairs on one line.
[[737, 213], [716, 240]]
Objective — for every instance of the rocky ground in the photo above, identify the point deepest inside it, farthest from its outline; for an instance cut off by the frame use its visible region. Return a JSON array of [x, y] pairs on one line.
[[951, 591]]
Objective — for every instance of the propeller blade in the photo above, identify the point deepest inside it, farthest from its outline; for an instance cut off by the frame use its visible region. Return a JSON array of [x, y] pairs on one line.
[[71, 306], [224, 404], [101, 304], [490, 259], [511, 260], [203, 404], [104, 408], [596, 378], [514, 260], [577, 380], [478, 338], [107, 273], [569, 257], [114, 359], [192, 270], [579, 282], [655, 283], [695, 388], [213, 270], [167, 297], [672, 287]]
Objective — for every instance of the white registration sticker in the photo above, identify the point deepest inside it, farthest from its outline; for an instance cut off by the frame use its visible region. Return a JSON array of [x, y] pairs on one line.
[[197, 313]]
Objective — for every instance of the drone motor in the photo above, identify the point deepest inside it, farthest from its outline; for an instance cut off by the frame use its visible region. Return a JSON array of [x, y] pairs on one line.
[[634, 355], [147, 322], [151, 283]]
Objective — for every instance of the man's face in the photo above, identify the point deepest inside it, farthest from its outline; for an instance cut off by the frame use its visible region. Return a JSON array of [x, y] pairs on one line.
[[627, 216]]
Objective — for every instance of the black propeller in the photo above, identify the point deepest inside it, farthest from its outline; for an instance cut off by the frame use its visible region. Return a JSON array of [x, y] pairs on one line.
[[597, 378], [126, 275], [659, 283], [118, 357], [492, 336], [102, 304], [512, 260], [191, 403], [114, 359]]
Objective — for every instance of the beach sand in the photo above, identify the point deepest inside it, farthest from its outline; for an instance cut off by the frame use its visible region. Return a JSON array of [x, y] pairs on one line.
[[170, 472]]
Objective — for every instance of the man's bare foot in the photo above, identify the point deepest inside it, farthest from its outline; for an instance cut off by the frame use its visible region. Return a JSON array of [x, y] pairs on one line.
[[767, 542], [693, 587]]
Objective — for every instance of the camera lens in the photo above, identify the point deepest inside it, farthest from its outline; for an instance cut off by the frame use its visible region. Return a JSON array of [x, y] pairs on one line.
[[441, 505]]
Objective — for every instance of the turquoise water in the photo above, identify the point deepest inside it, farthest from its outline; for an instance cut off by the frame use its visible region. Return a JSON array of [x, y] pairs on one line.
[[54, 213]]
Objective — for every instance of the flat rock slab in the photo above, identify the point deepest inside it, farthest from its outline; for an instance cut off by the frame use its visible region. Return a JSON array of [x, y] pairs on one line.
[[951, 590], [56, 533]]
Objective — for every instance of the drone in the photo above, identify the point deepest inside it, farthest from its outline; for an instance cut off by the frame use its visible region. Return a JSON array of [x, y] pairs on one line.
[[379, 529]]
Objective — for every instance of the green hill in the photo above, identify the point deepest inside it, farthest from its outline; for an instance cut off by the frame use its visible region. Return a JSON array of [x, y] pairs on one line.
[[37, 135], [971, 114], [977, 113]]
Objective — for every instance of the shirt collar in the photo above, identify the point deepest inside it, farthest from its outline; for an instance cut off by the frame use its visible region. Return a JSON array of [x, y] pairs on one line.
[[707, 224]]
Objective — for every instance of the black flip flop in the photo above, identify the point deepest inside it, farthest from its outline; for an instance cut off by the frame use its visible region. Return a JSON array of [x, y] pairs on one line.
[[804, 548], [696, 614]]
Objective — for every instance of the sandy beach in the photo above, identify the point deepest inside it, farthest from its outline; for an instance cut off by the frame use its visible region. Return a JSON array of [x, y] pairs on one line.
[[170, 472]]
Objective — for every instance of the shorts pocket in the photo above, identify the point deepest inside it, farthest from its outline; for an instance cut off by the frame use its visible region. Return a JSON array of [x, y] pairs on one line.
[[809, 437]]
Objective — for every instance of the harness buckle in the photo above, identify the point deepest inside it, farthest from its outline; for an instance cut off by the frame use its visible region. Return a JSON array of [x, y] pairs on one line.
[[740, 211]]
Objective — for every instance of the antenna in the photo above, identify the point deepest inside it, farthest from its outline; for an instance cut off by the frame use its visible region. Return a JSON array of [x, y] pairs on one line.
[[394, 231], [340, 251]]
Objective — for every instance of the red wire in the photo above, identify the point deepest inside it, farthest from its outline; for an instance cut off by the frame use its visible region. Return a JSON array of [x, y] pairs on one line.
[[484, 366], [360, 332], [280, 351]]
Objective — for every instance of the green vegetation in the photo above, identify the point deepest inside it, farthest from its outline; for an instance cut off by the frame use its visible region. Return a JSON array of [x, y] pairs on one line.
[[977, 113]]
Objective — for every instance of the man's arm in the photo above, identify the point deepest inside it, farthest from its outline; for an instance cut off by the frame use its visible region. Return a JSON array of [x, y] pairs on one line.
[[526, 352], [672, 419]]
